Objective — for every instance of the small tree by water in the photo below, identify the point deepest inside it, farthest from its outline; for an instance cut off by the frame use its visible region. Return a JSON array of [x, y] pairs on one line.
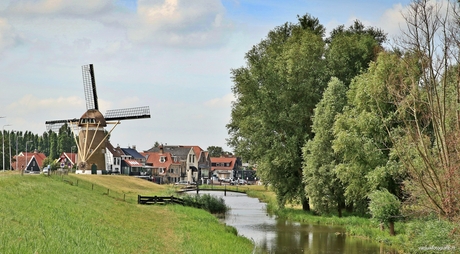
[[385, 208]]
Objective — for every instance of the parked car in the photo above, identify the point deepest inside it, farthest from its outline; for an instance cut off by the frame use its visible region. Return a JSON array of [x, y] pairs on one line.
[[239, 182], [227, 180], [181, 183]]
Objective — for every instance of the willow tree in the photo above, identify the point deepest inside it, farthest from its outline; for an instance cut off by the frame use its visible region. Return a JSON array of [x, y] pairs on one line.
[[276, 93], [323, 187], [361, 138]]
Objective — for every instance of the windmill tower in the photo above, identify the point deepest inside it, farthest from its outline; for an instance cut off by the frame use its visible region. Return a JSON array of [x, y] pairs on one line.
[[91, 125]]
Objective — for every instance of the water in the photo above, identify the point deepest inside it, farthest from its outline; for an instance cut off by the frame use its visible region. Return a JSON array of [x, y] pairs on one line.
[[271, 235]]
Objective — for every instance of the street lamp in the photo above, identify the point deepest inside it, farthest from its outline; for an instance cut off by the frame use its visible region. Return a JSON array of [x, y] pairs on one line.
[[26, 152], [17, 136], [3, 145], [9, 145]]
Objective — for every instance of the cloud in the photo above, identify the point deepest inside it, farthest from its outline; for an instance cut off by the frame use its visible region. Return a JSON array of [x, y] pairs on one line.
[[8, 37], [179, 22], [392, 20], [223, 102]]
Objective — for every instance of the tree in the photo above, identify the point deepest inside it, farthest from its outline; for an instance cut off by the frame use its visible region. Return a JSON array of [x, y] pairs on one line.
[[361, 134], [276, 94], [351, 50], [323, 187], [429, 106], [385, 208], [215, 151]]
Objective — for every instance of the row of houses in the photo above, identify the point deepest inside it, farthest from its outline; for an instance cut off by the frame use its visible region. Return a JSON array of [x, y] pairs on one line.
[[162, 164]]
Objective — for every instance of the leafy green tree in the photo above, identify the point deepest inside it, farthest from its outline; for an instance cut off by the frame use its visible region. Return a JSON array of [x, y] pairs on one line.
[[385, 208], [276, 94], [323, 187], [351, 50], [362, 134], [53, 138], [215, 151], [65, 139]]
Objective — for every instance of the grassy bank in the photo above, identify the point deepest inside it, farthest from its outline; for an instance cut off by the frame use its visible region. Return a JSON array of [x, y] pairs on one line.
[[41, 214], [425, 235]]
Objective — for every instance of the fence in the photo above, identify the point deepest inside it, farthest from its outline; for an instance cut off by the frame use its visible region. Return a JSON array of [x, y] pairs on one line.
[[147, 200]]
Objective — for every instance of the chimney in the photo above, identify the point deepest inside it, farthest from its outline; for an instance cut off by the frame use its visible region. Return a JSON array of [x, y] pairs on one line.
[[161, 149], [134, 147]]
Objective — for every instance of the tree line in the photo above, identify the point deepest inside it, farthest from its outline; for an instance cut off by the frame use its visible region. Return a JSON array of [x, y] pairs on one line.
[[50, 143], [345, 121]]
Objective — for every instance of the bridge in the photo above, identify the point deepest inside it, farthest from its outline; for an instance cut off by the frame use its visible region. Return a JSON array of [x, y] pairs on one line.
[[224, 188]]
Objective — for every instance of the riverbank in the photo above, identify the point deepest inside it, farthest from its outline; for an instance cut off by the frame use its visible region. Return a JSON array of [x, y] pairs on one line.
[[424, 235], [100, 214]]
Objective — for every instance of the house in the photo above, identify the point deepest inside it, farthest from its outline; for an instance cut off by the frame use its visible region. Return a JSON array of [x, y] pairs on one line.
[[188, 159], [29, 162], [113, 158], [166, 168], [67, 160], [225, 166], [203, 163], [132, 162]]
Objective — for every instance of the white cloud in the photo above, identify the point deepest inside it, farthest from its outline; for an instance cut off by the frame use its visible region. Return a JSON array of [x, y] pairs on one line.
[[8, 37], [223, 102], [179, 22], [392, 20]]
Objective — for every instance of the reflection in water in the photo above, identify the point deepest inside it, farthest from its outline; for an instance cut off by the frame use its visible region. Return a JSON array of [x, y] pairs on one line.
[[270, 235]]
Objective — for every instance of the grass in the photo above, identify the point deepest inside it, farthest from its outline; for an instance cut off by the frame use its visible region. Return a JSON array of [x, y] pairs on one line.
[[43, 214], [425, 235]]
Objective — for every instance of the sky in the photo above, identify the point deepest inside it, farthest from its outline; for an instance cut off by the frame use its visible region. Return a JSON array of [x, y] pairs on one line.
[[174, 56]]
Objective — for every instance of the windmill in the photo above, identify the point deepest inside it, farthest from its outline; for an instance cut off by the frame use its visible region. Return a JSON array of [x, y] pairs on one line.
[[91, 125]]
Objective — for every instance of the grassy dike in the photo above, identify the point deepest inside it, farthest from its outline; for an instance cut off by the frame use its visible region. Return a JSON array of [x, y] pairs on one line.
[[41, 214], [428, 235]]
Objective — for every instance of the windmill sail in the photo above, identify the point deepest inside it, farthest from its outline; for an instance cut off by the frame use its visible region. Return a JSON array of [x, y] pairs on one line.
[[89, 84], [55, 125], [127, 113]]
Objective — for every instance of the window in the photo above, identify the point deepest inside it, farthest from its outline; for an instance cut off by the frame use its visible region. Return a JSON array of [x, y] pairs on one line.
[[161, 170], [171, 170], [162, 159]]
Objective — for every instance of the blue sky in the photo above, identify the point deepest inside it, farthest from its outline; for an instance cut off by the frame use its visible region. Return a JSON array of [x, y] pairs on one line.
[[172, 55]]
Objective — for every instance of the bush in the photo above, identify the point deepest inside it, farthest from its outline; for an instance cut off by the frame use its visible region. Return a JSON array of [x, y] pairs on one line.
[[207, 202], [426, 236], [385, 207]]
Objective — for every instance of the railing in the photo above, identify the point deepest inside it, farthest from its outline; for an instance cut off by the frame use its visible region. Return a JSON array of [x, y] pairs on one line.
[[148, 200]]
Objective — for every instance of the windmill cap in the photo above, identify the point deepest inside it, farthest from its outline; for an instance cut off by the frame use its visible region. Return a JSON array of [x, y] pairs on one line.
[[92, 117]]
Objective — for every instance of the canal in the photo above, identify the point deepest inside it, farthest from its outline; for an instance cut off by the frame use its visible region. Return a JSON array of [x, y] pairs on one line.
[[271, 235]]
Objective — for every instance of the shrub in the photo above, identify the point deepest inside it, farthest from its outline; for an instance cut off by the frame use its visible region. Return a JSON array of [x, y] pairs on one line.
[[207, 202], [384, 207]]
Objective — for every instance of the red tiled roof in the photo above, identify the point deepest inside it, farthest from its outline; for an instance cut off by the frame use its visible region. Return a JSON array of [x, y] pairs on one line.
[[21, 159], [229, 160], [153, 158]]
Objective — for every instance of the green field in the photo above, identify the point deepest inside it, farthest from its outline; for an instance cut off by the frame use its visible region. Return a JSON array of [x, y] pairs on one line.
[[99, 214]]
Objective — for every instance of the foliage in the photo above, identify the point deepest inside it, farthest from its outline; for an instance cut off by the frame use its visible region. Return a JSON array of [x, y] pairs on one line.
[[49, 161], [424, 234], [350, 51], [323, 187], [276, 93], [207, 202], [427, 102], [384, 206], [215, 151]]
